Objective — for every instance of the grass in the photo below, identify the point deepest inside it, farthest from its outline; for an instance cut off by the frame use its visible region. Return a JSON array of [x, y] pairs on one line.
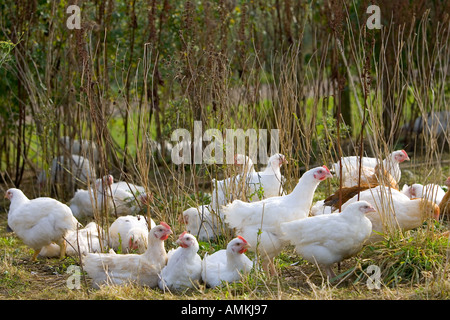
[[412, 259]]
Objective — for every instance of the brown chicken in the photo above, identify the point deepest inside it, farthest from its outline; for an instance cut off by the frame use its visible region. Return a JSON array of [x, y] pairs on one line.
[[371, 182], [444, 206]]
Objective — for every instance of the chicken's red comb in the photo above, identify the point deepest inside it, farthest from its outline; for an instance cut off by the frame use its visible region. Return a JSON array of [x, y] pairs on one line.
[[109, 179], [325, 167], [245, 241], [165, 225], [404, 152], [182, 235]]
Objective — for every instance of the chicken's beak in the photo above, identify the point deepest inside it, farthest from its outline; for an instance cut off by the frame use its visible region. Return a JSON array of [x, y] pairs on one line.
[[166, 235], [328, 175], [371, 209], [244, 247], [407, 157], [181, 243]]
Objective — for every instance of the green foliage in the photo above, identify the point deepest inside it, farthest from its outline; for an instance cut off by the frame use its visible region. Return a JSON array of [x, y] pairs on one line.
[[8, 241], [5, 51], [407, 260]]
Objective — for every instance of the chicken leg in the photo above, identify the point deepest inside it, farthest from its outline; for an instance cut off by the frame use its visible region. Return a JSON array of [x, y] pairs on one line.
[[62, 253], [269, 266], [330, 273], [36, 252]]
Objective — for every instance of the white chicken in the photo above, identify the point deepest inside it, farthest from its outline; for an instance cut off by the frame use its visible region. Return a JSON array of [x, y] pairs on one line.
[[158, 150], [39, 222], [435, 125], [86, 202], [267, 183], [245, 163], [203, 222], [320, 208], [331, 238], [406, 190], [83, 147], [432, 192], [226, 265], [226, 190], [128, 187], [258, 222], [350, 169], [130, 233], [206, 223], [88, 239], [394, 211], [184, 265], [142, 269], [126, 197], [76, 168]]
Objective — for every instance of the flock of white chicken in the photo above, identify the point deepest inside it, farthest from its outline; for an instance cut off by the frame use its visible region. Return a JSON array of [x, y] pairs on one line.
[[252, 205]]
